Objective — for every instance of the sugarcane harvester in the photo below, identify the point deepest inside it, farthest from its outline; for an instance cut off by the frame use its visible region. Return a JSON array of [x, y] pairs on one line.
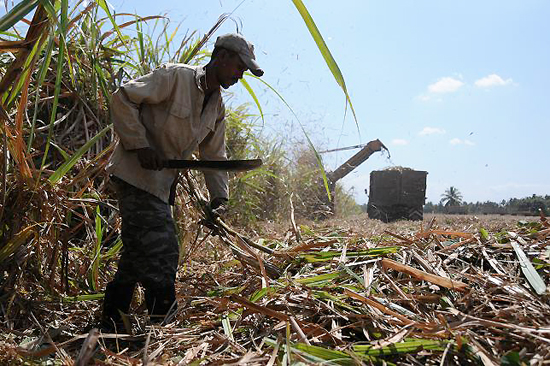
[[346, 168]]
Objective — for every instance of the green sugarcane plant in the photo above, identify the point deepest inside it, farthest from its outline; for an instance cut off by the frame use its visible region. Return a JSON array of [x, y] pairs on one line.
[[57, 137]]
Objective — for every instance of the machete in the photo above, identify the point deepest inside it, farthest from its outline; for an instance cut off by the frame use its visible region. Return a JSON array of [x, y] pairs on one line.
[[227, 165]]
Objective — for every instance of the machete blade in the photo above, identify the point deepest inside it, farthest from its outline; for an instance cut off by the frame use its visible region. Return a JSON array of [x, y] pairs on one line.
[[224, 165]]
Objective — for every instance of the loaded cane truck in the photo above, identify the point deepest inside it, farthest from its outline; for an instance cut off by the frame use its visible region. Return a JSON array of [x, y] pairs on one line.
[[397, 193]]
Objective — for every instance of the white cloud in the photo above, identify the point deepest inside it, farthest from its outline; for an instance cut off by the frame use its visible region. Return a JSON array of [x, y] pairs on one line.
[[400, 142], [445, 85], [429, 98], [431, 131], [492, 80], [457, 141]]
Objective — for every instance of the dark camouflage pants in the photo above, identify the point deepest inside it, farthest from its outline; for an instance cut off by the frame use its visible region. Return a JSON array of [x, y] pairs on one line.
[[150, 249]]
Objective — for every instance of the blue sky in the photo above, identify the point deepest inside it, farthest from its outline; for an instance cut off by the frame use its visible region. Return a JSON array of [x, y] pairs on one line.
[[457, 88]]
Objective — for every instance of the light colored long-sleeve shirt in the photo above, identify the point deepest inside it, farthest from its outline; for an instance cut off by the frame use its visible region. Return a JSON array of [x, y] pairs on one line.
[[164, 110]]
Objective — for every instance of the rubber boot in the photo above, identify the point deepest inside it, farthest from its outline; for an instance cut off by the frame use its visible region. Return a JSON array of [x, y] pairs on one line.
[[117, 299], [161, 302]]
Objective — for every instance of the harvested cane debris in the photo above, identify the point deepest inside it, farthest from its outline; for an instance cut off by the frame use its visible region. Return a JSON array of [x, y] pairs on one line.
[[448, 293]]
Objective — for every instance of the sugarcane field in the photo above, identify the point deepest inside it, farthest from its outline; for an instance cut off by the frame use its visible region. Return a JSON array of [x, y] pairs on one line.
[[173, 193]]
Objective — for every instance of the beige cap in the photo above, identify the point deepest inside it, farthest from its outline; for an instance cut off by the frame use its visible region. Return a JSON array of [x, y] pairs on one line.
[[235, 42]]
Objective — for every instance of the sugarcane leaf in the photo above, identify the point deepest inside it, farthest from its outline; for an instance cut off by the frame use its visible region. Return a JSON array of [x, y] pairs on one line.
[[62, 34], [50, 9], [259, 294], [87, 297], [336, 300], [98, 228], [409, 345], [330, 254], [321, 355], [338, 357], [288, 353], [533, 277], [227, 327], [17, 241], [27, 70], [103, 4], [327, 55], [17, 13], [254, 97], [352, 274], [94, 271], [512, 358], [61, 151], [484, 234], [63, 169], [320, 278], [113, 250], [396, 307], [45, 64], [258, 172]]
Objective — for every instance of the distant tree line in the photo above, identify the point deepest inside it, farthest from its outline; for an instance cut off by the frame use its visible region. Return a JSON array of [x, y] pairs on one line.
[[514, 206]]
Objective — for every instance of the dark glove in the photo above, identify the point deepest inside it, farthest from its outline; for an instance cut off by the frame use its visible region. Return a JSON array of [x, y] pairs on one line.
[[149, 159], [218, 207]]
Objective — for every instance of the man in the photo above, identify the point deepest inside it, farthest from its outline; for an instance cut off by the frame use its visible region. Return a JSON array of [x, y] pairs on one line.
[[166, 114]]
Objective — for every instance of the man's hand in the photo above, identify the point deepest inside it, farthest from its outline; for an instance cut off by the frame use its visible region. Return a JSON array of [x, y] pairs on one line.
[[149, 159], [218, 207]]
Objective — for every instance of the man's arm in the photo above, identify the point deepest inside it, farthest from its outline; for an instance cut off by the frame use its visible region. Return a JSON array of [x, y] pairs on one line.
[[152, 88], [213, 148]]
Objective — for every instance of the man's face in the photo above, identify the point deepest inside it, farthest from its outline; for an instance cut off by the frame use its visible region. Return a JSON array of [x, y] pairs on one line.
[[231, 69]]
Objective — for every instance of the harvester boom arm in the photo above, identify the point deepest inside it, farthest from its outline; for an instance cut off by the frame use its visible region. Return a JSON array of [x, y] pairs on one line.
[[356, 160]]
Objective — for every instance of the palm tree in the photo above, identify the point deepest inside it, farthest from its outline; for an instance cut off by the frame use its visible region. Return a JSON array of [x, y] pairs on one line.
[[451, 197]]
